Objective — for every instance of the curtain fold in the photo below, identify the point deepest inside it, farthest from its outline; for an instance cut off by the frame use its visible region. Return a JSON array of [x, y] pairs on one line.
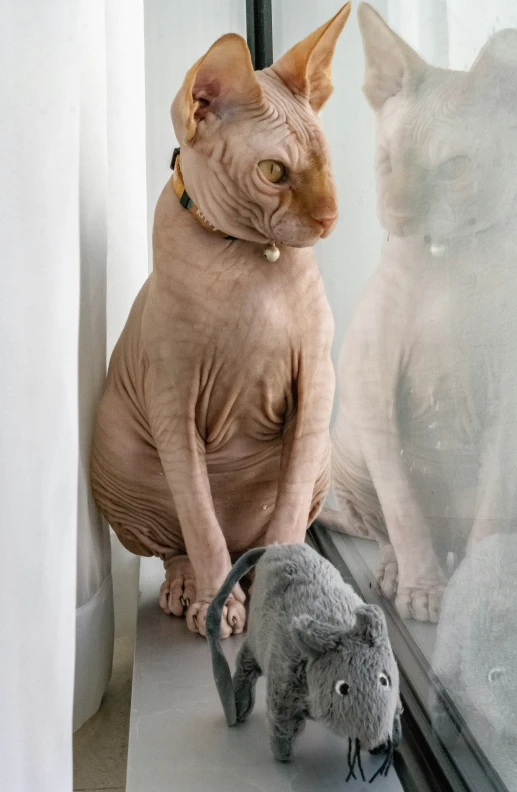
[[94, 620], [114, 265], [71, 91], [39, 324]]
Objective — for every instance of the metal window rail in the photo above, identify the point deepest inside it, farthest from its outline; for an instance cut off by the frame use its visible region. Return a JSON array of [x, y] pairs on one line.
[[259, 29]]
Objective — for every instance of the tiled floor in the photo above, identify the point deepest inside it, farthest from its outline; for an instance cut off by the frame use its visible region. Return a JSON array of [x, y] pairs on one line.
[[100, 746]]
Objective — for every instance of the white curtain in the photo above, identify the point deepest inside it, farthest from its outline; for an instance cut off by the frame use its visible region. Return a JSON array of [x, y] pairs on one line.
[[39, 323], [94, 622], [61, 204], [113, 266], [450, 33], [472, 23]]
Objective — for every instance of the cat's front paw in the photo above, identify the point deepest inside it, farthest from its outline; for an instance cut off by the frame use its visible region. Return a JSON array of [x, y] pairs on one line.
[[422, 603], [232, 622], [387, 572], [179, 588]]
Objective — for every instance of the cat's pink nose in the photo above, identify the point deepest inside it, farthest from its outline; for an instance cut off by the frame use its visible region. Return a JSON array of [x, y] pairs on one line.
[[325, 221]]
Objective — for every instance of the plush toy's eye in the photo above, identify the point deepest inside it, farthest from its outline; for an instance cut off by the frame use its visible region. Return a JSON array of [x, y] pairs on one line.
[[496, 674], [384, 680], [272, 170], [342, 688]]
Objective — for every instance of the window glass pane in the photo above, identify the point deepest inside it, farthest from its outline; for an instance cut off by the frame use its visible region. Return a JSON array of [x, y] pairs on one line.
[[421, 275]]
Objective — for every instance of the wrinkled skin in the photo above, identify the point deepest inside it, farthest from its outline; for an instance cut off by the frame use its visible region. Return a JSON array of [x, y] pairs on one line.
[[425, 443], [212, 436]]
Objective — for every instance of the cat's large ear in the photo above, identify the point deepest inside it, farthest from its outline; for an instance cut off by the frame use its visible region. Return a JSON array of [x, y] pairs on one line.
[[220, 81], [496, 64], [391, 65], [499, 52], [306, 67]]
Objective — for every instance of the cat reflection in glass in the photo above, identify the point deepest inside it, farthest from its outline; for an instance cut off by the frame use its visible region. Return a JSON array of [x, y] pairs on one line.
[[213, 433], [425, 443], [476, 647]]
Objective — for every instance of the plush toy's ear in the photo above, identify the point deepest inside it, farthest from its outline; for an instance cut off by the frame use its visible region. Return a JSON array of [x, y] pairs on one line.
[[370, 624], [391, 64], [315, 638]]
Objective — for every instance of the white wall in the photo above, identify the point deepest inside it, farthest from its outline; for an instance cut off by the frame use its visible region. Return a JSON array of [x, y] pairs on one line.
[[176, 35], [471, 22]]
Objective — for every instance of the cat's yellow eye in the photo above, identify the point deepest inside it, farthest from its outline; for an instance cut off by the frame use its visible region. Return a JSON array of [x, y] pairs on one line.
[[273, 171], [454, 167]]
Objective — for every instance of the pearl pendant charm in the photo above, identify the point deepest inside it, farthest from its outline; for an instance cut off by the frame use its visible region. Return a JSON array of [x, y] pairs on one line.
[[271, 252], [437, 251]]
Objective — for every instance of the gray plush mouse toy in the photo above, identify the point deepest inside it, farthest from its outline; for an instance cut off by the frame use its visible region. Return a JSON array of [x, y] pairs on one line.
[[325, 653]]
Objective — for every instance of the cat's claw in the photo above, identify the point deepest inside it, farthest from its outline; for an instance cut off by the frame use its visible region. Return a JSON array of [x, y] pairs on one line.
[[387, 572], [232, 622], [422, 604], [236, 616], [179, 587]]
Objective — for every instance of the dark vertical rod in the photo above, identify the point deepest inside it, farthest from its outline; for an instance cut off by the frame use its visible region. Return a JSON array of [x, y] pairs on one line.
[[250, 29], [259, 29]]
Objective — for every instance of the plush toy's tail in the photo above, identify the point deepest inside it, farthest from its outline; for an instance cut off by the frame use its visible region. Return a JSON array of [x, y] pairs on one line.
[[222, 673]]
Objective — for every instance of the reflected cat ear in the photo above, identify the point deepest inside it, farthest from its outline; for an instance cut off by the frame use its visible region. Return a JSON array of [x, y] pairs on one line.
[[391, 64], [220, 81], [498, 59], [500, 50], [306, 67]]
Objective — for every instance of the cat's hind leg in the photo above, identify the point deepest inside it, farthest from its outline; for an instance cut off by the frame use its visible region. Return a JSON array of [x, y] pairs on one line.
[[245, 679]]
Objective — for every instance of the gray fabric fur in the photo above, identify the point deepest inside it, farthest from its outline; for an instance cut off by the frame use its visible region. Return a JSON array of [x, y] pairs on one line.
[[308, 630]]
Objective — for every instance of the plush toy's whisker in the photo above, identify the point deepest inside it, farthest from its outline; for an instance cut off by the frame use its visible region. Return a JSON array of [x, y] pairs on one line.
[[351, 762], [390, 759], [385, 766], [353, 759], [358, 756]]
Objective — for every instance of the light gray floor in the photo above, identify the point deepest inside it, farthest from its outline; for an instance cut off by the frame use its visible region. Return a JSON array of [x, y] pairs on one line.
[[178, 737], [100, 746]]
